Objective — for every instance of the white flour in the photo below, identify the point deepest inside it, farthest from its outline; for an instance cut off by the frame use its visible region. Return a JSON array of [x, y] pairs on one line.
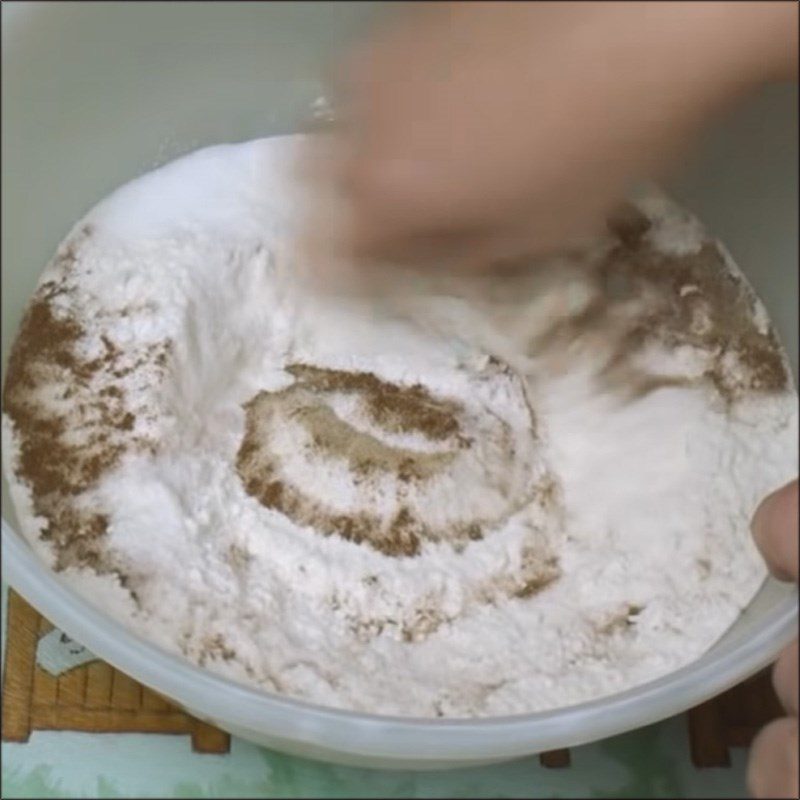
[[369, 511]]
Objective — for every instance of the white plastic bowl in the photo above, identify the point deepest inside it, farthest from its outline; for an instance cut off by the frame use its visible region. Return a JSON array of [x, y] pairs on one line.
[[96, 94]]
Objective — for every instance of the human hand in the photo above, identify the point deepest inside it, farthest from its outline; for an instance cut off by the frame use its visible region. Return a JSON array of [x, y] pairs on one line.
[[773, 767], [480, 131]]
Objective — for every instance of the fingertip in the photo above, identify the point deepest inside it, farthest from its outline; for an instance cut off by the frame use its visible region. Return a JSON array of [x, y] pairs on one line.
[[775, 530], [784, 678], [772, 770]]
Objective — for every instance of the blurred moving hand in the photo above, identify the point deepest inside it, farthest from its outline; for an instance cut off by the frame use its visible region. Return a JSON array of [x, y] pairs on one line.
[[473, 132]]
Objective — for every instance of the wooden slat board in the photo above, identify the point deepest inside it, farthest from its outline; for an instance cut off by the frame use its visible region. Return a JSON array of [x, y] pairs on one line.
[[99, 677], [22, 635], [93, 697], [97, 698]]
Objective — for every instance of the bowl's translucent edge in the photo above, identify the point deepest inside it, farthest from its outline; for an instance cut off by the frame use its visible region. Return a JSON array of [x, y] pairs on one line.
[[380, 736]]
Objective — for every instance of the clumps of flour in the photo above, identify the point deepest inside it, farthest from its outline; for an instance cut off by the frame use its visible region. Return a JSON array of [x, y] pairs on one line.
[[502, 496]]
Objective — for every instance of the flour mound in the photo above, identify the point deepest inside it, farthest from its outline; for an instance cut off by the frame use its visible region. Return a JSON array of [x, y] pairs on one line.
[[492, 497]]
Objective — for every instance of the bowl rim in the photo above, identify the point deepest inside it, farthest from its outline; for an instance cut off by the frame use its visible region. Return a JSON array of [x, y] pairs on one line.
[[261, 713]]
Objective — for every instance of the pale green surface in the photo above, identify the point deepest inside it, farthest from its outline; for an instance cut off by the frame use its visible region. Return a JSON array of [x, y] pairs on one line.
[[652, 762]]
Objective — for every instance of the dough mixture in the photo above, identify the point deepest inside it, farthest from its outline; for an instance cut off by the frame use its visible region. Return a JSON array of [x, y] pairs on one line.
[[492, 497]]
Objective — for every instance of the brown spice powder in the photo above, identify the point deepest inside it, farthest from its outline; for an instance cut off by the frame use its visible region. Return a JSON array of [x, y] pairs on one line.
[[397, 409], [62, 454], [393, 408], [260, 481], [50, 463], [672, 291]]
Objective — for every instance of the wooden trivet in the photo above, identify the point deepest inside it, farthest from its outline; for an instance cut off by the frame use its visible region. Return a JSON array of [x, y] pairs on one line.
[[92, 697], [731, 719], [97, 698]]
